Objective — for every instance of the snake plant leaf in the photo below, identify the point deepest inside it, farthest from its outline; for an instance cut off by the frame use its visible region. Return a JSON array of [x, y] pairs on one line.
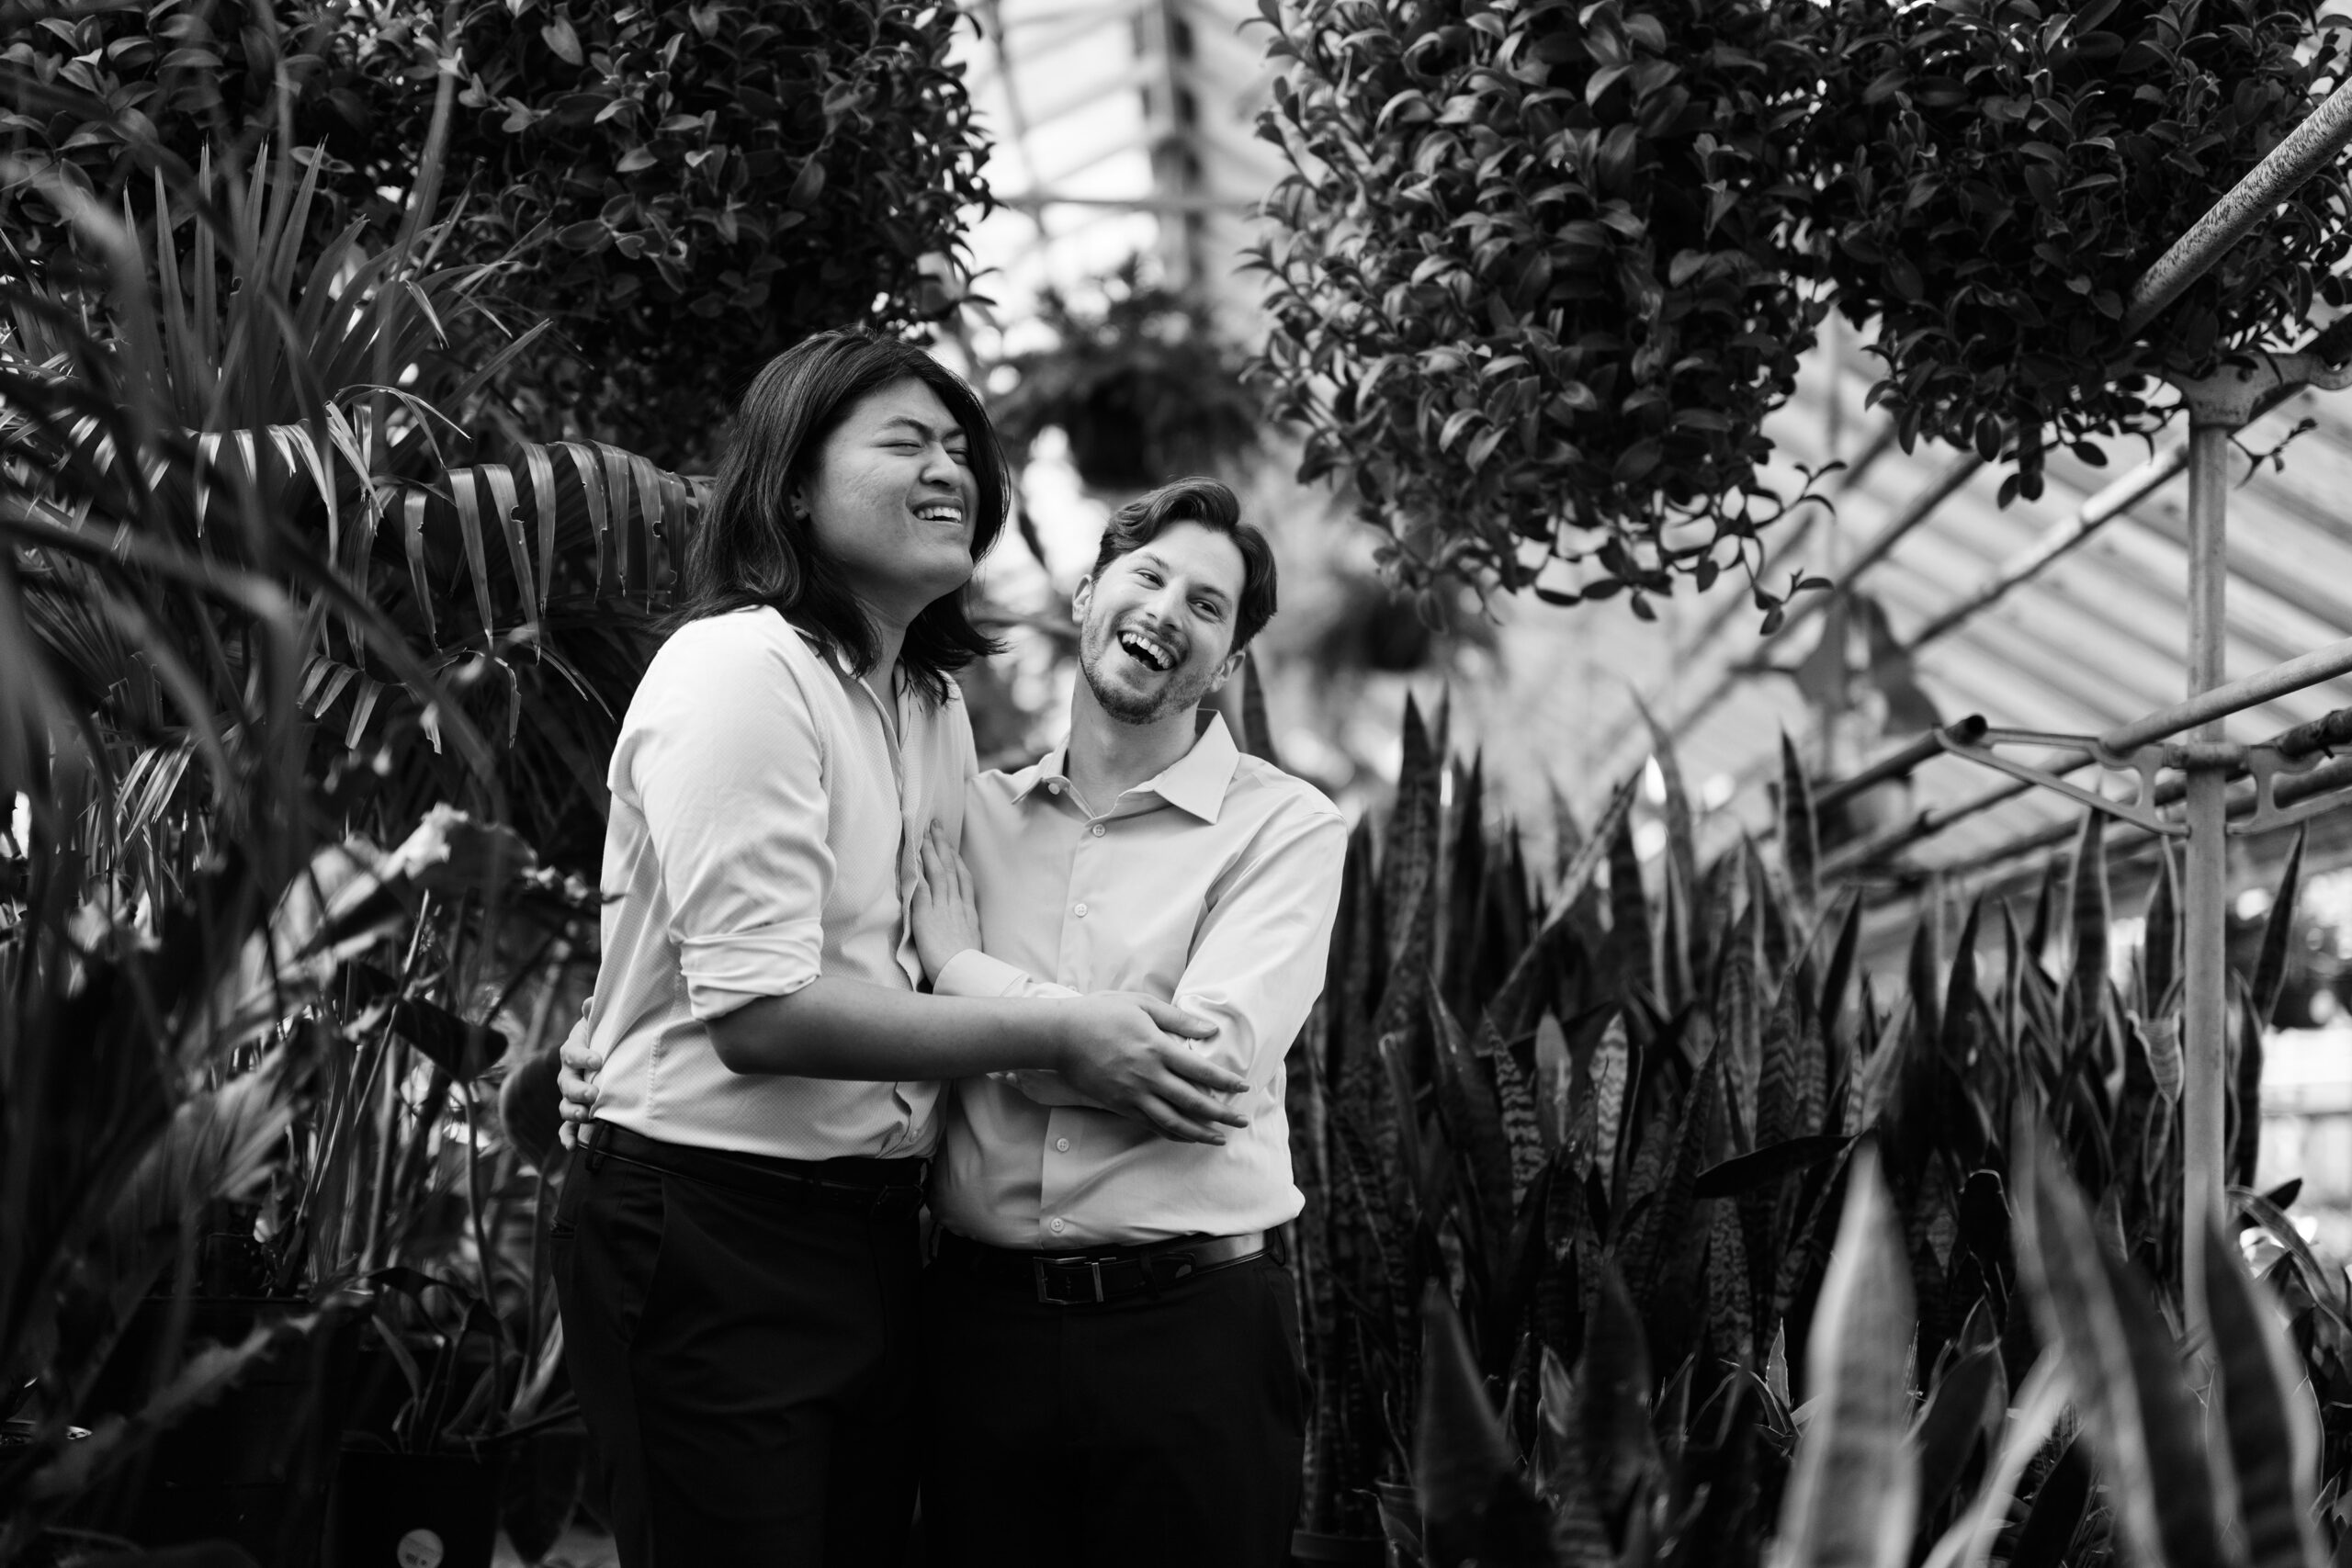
[[1409, 851], [1474, 1122], [1579, 1537], [2045, 910], [1615, 1396], [2270, 970], [1766, 1166], [1966, 1408], [1522, 1113], [2142, 1422], [1257, 732], [1800, 844], [2160, 949], [2244, 1105], [2093, 916], [1729, 1322], [2057, 1510], [1854, 1491], [1831, 1008], [2273, 1438], [1460, 1454], [1629, 959], [1738, 1019], [2331, 1293]]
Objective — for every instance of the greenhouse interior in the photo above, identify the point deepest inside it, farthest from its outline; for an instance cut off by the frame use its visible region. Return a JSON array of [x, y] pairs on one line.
[[1767, 584]]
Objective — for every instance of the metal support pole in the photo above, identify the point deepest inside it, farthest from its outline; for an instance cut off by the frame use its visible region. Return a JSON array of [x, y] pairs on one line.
[[2205, 890]]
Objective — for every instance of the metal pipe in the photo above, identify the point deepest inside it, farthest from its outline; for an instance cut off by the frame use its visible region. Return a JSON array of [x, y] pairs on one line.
[[1896, 764], [2205, 888], [2096, 513], [2309, 148], [2208, 706]]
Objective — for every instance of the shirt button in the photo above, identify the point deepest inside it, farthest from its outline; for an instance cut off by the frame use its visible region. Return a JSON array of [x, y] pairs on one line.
[[1052, 789], [1060, 1225], [1096, 830], [1061, 1145], [1080, 911]]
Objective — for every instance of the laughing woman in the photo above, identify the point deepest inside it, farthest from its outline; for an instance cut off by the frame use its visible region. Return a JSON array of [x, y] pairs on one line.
[[736, 1254]]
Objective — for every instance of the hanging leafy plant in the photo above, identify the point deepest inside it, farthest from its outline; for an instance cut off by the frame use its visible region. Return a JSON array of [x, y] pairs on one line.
[[1536, 279], [2005, 171], [1142, 384]]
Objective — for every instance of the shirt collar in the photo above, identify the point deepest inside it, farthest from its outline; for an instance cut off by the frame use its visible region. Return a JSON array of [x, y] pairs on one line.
[[1196, 781]]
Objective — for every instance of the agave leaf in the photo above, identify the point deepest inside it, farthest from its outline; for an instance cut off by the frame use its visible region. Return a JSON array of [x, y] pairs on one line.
[[1856, 1445], [2142, 1422], [2273, 1438], [2270, 970], [1799, 851]]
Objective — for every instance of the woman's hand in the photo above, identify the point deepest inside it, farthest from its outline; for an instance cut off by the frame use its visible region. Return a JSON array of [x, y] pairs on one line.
[[1127, 1052], [945, 916], [578, 1080]]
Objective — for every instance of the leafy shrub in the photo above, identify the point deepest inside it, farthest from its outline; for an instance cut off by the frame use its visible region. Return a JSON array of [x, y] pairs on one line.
[[691, 187], [2001, 173], [720, 178], [1535, 275]]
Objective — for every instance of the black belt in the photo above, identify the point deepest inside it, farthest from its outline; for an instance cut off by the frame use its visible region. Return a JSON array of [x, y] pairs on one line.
[[1102, 1273], [850, 1181]]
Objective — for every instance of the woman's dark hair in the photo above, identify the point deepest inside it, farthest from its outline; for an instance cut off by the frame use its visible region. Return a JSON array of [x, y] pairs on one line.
[[1212, 506], [749, 548]]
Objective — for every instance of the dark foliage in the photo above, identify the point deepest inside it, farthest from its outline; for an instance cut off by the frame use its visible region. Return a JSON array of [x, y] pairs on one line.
[[692, 187], [1536, 278], [2002, 172]]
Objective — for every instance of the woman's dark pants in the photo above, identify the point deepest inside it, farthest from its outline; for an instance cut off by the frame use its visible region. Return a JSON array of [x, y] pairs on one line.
[[742, 1333]]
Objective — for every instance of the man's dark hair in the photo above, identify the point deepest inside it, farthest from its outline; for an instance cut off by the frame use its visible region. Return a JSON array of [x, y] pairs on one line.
[[751, 547], [1212, 506]]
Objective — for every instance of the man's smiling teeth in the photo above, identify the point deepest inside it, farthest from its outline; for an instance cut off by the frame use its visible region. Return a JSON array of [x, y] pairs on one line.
[[1148, 649]]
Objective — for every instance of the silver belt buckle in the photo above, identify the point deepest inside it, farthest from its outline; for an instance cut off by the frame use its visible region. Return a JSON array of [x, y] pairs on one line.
[[1045, 1270]]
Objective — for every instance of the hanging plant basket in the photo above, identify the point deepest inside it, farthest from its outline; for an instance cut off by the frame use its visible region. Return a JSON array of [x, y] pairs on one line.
[[1537, 277], [2004, 174], [1141, 384]]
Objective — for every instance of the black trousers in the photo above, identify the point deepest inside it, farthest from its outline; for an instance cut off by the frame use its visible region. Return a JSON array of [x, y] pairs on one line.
[[744, 1348], [1147, 1431]]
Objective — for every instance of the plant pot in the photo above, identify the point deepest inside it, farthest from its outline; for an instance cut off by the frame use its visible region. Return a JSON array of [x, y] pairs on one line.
[[251, 1468], [394, 1511]]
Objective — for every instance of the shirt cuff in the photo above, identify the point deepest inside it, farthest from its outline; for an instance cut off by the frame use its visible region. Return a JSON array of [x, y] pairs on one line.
[[722, 973], [972, 973]]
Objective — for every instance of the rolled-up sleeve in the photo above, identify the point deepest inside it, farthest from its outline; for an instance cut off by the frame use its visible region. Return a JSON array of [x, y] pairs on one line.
[[1257, 965], [726, 761]]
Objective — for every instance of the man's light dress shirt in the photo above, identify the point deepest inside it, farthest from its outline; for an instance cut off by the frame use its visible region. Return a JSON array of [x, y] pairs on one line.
[[1214, 886], [764, 829]]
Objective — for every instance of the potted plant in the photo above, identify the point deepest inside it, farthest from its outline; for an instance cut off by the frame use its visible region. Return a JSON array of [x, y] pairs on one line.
[[1537, 277], [477, 1385], [1141, 382], [1997, 177]]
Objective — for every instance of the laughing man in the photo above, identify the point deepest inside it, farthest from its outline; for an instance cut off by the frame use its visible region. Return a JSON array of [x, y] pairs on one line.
[[1112, 1373]]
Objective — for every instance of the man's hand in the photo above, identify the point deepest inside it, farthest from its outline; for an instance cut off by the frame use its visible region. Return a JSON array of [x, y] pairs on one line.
[[1127, 1052], [944, 914], [578, 1080]]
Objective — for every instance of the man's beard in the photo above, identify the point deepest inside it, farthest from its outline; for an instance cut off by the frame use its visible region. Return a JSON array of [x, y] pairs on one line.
[[1177, 696]]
